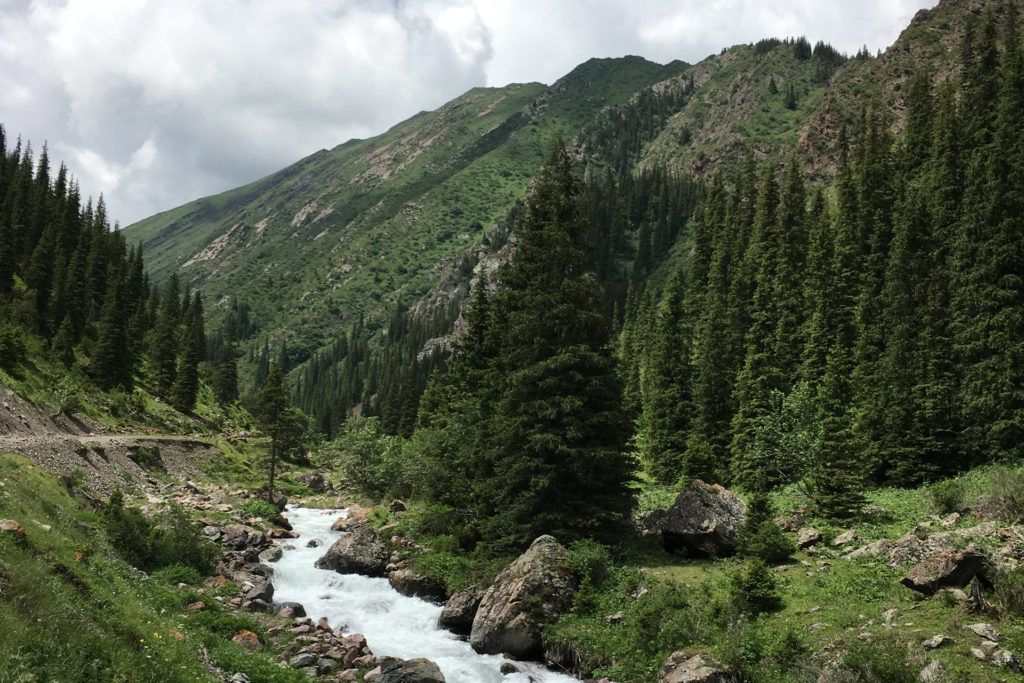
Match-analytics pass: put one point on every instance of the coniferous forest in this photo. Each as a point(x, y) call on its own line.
point(561, 335)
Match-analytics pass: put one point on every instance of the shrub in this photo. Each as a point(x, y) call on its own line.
point(870, 662)
point(946, 496)
point(174, 574)
point(145, 458)
point(258, 507)
point(67, 395)
point(759, 536)
point(755, 591)
point(12, 346)
point(373, 460)
point(1010, 591)
point(590, 560)
point(170, 539)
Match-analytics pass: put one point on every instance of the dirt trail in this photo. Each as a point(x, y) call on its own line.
point(82, 447)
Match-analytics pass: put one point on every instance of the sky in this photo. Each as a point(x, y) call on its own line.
point(154, 103)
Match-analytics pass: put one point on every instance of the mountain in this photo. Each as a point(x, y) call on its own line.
point(348, 236)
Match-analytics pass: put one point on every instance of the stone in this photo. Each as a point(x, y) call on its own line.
point(612, 619)
point(875, 511)
point(195, 606)
point(413, 585)
point(932, 673)
point(950, 520)
point(934, 642)
point(359, 552)
point(1006, 660)
point(262, 591)
point(303, 660)
point(978, 653)
point(535, 590)
point(398, 506)
point(807, 537)
point(313, 543)
point(12, 527)
point(271, 554)
point(986, 631)
point(817, 626)
point(279, 500)
point(989, 646)
point(295, 610)
point(508, 668)
point(249, 640)
point(239, 678)
point(879, 547)
point(316, 483)
point(686, 667)
point(355, 517)
point(459, 611)
point(257, 605)
point(944, 569)
point(650, 522)
point(703, 521)
point(419, 670)
point(237, 536)
point(848, 536)
point(372, 675)
point(791, 523)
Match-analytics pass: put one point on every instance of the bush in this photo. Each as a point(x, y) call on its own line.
point(755, 591)
point(170, 539)
point(145, 458)
point(946, 496)
point(12, 346)
point(260, 508)
point(373, 460)
point(870, 662)
point(175, 573)
point(67, 395)
point(590, 560)
point(759, 536)
point(1010, 591)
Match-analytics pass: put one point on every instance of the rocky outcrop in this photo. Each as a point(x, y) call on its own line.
point(359, 552)
point(355, 517)
point(458, 613)
point(535, 590)
point(947, 568)
point(703, 521)
point(408, 582)
point(807, 537)
point(394, 670)
point(686, 667)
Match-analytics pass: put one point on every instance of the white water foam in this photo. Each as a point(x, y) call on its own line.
point(394, 625)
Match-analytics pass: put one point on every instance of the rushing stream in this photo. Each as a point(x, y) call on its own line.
point(394, 625)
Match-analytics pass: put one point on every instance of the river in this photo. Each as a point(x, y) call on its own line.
point(394, 625)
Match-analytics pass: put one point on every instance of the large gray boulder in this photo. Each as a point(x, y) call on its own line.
point(535, 590)
point(685, 667)
point(408, 582)
point(359, 552)
point(703, 521)
point(944, 569)
point(395, 670)
point(459, 612)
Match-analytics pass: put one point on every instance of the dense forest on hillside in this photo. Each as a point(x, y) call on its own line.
point(70, 280)
point(860, 332)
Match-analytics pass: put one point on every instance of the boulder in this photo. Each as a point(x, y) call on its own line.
point(1006, 660)
point(686, 667)
point(807, 537)
point(932, 673)
point(946, 568)
point(791, 523)
point(458, 613)
point(316, 483)
point(394, 670)
point(279, 500)
point(986, 631)
point(355, 517)
point(261, 591)
point(249, 640)
point(649, 522)
point(301, 661)
point(12, 527)
point(359, 552)
point(237, 536)
point(271, 554)
point(703, 521)
point(848, 536)
point(533, 591)
point(408, 582)
point(291, 610)
point(398, 506)
point(934, 642)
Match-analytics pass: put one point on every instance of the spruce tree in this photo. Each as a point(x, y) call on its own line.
point(279, 420)
point(560, 430)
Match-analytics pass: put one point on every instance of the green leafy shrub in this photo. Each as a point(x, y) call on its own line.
point(171, 538)
point(145, 458)
point(258, 507)
point(590, 560)
point(174, 574)
point(372, 460)
point(67, 395)
point(1010, 591)
point(760, 536)
point(870, 662)
point(755, 590)
point(12, 346)
point(946, 496)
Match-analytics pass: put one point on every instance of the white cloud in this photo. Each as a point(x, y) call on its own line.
point(155, 103)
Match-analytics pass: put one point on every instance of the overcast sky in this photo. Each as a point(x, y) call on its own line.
point(154, 102)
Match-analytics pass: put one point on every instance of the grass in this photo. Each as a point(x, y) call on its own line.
point(71, 610)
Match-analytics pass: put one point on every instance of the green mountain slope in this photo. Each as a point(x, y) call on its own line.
point(351, 231)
